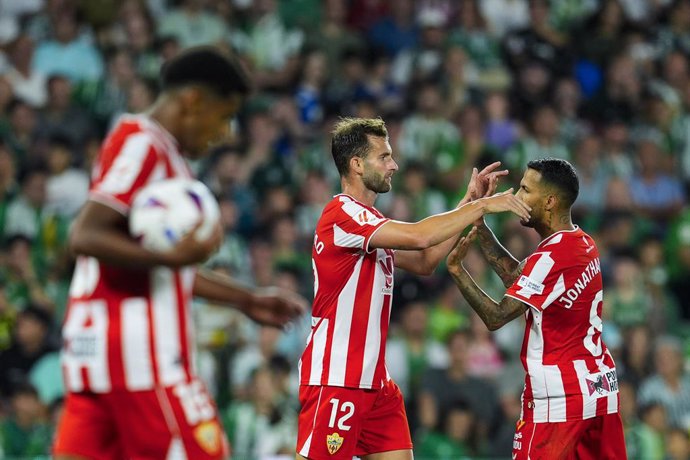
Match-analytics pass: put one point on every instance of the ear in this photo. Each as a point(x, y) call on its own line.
point(357, 164)
point(552, 202)
point(191, 99)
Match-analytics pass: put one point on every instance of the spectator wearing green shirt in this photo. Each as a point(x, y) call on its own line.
point(26, 433)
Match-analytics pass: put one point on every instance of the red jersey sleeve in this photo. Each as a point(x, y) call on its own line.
point(540, 282)
point(355, 224)
point(123, 168)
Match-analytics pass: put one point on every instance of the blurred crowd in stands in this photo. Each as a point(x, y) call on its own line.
point(460, 83)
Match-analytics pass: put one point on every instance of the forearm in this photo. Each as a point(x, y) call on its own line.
point(114, 247)
point(494, 314)
point(502, 262)
point(485, 306)
point(220, 288)
point(441, 227)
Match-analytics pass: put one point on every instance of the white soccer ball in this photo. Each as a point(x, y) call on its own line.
point(165, 211)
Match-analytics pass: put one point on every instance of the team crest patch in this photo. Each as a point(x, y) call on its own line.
point(207, 434)
point(334, 442)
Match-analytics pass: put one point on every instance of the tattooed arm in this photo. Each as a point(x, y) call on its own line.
point(504, 264)
point(494, 314)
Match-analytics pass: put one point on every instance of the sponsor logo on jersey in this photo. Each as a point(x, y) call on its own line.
point(530, 286)
point(334, 442)
point(208, 435)
point(602, 383)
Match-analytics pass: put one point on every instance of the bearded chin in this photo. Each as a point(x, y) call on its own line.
point(377, 184)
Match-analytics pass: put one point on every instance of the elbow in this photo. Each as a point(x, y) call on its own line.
point(426, 270)
point(76, 243)
point(494, 326)
point(420, 241)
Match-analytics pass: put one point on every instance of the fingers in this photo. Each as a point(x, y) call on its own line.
point(520, 208)
point(490, 168)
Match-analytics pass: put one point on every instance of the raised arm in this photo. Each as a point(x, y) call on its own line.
point(494, 314)
point(424, 262)
point(503, 263)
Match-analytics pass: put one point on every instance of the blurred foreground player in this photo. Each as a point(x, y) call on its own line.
point(128, 335)
point(570, 400)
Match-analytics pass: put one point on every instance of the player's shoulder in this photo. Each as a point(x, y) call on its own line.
point(138, 132)
point(566, 240)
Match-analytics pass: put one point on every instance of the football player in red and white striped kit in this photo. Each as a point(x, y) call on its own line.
point(570, 399)
point(350, 405)
point(128, 336)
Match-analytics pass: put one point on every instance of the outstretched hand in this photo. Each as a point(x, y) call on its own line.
point(457, 255)
point(276, 307)
point(483, 183)
point(507, 201)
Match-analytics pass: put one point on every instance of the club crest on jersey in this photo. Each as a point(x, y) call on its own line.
point(602, 384)
point(208, 435)
point(334, 442)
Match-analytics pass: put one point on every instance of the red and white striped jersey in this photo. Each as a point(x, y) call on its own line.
point(129, 329)
point(570, 372)
point(353, 289)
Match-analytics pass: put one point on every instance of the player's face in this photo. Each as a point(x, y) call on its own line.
point(211, 123)
point(532, 193)
point(379, 165)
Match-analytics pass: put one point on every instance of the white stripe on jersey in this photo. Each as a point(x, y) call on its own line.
point(372, 342)
point(343, 325)
point(127, 166)
point(87, 347)
point(136, 349)
point(535, 353)
point(556, 239)
point(166, 328)
point(346, 240)
point(538, 273)
point(187, 277)
point(589, 404)
point(612, 398)
point(558, 289)
point(556, 392)
point(86, 275)
point(318, 350)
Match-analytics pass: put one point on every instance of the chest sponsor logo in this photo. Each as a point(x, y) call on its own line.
point(334, 442)
point(531, 286)
point(602, 384)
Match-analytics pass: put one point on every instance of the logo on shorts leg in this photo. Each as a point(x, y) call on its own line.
point(208, 435)
point(333, 442)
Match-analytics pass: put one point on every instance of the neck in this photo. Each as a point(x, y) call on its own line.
point(558, 222)
point(164, 112)
point(357, 190)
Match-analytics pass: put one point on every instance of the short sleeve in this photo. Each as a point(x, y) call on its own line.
point(540, 283)
point(125, 172)
point(354, 225)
